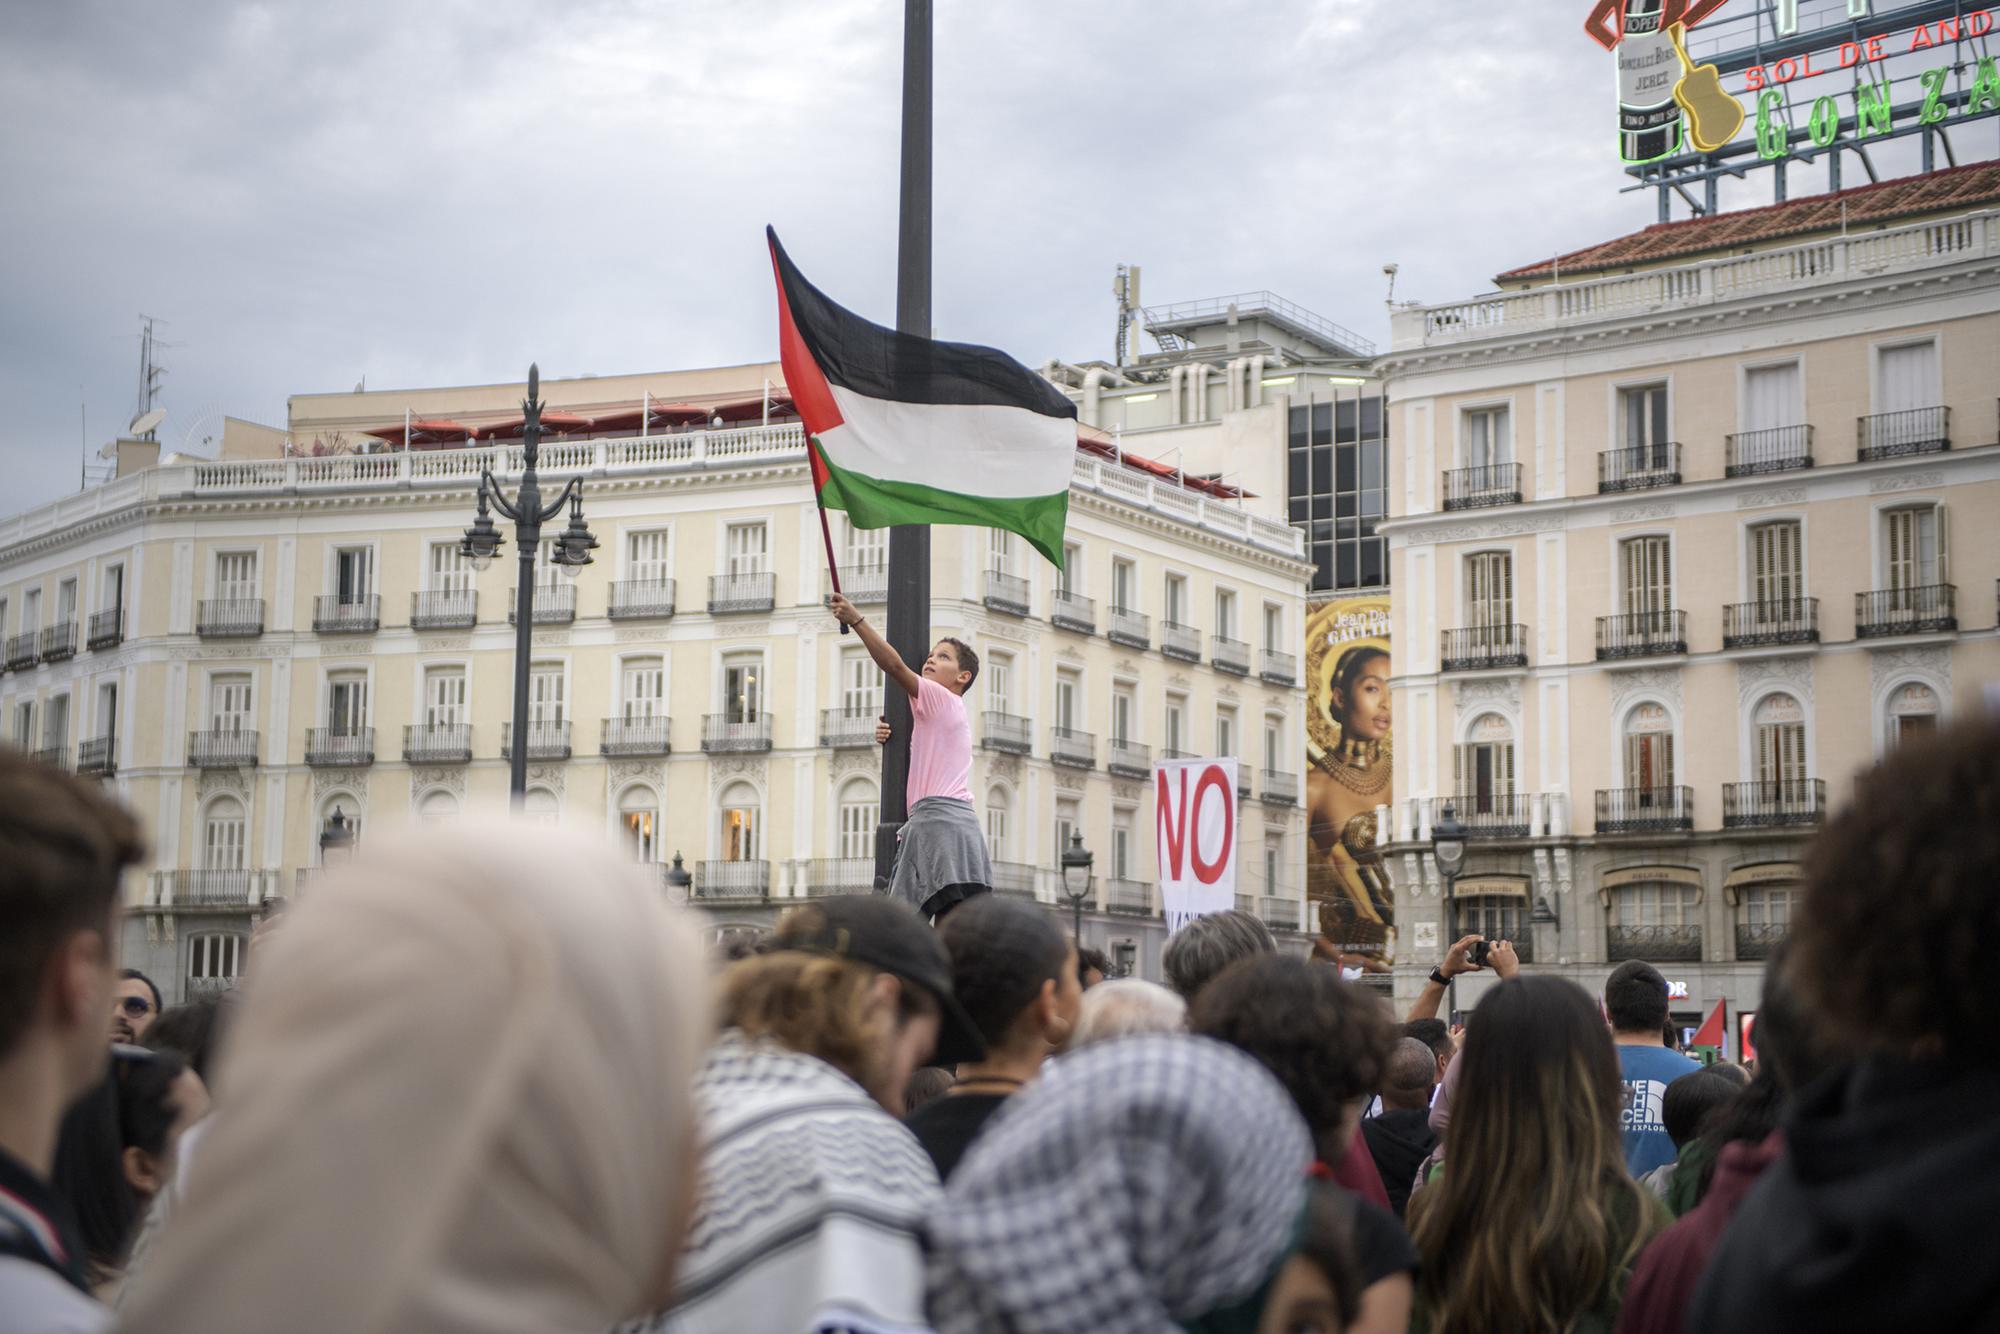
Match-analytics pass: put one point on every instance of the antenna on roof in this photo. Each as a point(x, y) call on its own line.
point(143, 425)
point(1389, 270)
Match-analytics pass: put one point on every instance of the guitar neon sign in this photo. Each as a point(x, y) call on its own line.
point(1663, 96)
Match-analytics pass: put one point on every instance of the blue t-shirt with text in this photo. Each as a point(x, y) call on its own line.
point(1647, 1071)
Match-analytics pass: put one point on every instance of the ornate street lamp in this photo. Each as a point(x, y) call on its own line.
point(571, 552)
point(336, 837)
point(679, 881)
point(1448, 854)
point(1076, 860)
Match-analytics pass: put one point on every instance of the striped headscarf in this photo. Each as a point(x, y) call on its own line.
point(1140, 1186)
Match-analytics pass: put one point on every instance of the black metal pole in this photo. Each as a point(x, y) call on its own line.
point(909, 544)
point(528, 541)
point(1451, 938)
point(1076, 903)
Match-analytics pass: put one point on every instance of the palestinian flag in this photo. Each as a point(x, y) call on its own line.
point(904, 429)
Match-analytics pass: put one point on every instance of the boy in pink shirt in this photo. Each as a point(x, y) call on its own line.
point(941, 853)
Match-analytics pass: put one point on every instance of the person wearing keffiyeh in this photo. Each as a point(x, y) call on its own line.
point(1145, 1185)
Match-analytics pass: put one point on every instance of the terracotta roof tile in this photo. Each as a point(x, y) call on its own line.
point(1954, 188)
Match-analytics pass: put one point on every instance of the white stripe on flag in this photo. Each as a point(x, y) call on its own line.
point(968, 450)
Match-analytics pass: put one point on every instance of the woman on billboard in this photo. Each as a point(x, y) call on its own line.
point(1348, 780)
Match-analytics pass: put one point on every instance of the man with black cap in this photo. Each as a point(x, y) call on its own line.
point(812, 1191)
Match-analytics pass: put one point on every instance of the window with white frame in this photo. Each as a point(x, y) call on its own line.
point(446, 570)
point(1777, 573)
point(1780, 728)
point(1659, 903)
point(646, 556)
point(1124, 714)
point(548, 574)
point(1174, 720)
point(1274, 744)
point(1123, 864)
point(229, 703)
point(548, 690)
point(1069, 579)
point(1646, 567)
point(638, 823)
point(107, 709)
point(743, 687)
point(55, 724)
point(1483, 765)
point(1489, 589)
point(859, 813)
point(997, 812)
point(742, 824)
point(444, 696)
point(346, 702)
point(1913, 546)
point(1649, 748)
point(1274, 628)
point(1771, 398)
point(1068, 686)
point(1225, 613)
point(3, 615)
point(999, 551)
point(642, 690)
point(998, 669)
point(860, 684)
point(1124, 586)
point(222, 836)
point(65, 602)
point(866, 549)
point(748, 549)
point(1642, 422)
point(1767, 909)
point(1487, 437)
point(1906, 377)
point(1225, 731)
point(1913, 713)
point(110, 591)
point(353, 575)
point(235, 575)
point(1272, 874)
point(24, 725)
point(1177, 599)
point(215, 960)
point(31, 611)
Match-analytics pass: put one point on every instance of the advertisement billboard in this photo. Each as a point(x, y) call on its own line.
point(1348, 744)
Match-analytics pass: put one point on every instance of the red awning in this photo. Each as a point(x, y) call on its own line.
point(423, 431)
point(554, 422)
point(751, 409)
point(659, 414)
point(1105, 449)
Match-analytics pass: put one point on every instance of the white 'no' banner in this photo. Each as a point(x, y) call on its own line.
point(1194, 818)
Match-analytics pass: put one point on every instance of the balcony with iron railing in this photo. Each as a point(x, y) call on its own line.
point(546, 741)
point(105, 629)
point(1489, 814)
point(636, 736)
point(554, 604)
point(1481, 486)
point(1756, 940)
point(1641, 634)
point(1480, 648)
point(21, 651)
point(640, 600)
point(444, 609)
point(1639, 467)
point(56, 756)
point(1277, 668)
point(1768, 624)
point(1180, 641)
point(1074, 749)
point(847, 729)
point(1006, 732)
point(222, 749)
point(59, 641)
point(1229, 655)
point(1774, 804)
point(1774, 449)
point(438, 743)
point(1928, 609)
point(863, 585)
point(1892, 435)
point(732, 593)
point(1128, 759)
point(340, 747)
point(1014, 880)
point(97, 755)
point(1128, 898)
point(1130, 628)
point(342, 614)
point(1654, 944)
point(1644, 810)
point(241, 890)
point(1072, 611)
point(1279, 913)
point(229, 618)
point(1243, 788)
point(735, 733)
point(840, 875)
point(737, 880)
point(1006, 592)
point(1281, 787)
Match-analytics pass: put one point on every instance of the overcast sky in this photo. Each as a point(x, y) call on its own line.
point(434, 191)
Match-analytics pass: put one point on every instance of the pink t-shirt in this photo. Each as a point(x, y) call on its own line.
point(940, 745)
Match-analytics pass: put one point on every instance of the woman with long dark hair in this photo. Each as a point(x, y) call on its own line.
point(1533, 1222)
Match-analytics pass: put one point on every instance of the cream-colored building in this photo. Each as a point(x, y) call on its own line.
point(244, 647)
point(1682, 543)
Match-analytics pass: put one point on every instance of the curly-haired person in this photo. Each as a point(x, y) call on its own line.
point(1877, 1215)
point(1328, 1043)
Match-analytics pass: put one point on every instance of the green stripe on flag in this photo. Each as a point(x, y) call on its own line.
point(877, 504)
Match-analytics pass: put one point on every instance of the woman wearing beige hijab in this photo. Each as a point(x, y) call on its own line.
point(457, 1099)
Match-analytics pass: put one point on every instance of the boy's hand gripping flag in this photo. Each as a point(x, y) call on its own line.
point(904, 429)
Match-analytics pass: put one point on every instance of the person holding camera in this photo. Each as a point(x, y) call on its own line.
point(1472, 954)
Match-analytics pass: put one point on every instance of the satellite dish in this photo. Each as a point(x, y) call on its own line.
point(146, 422)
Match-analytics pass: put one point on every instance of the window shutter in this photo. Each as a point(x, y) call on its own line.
point(1507, 769)
point(1941, 517)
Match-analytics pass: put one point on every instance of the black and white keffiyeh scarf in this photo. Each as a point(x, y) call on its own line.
point(1139, 1184)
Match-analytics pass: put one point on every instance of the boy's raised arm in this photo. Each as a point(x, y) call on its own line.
point(890, 661)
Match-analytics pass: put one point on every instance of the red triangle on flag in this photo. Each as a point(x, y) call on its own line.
point(1711, 1030)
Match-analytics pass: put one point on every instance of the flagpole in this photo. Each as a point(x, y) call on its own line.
point(909, 544)
point(814, 470)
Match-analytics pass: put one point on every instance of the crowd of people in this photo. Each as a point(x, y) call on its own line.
point(490, 1081)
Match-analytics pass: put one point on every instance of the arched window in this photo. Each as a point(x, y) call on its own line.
point(215, 959)
point(1913, 713)
point(638, 817)
point(439, 807)
point(997, 821)
point(1484, 766)
point(1649, 748)
point(222, 836)
point(1655, 920)
point(1497, 917)
point(742, 824)
point(1763, 915)
point(858, 814)
point(541, 807)
point(1780, 728)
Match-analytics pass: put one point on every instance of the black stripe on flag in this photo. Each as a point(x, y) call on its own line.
point(867, 359)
